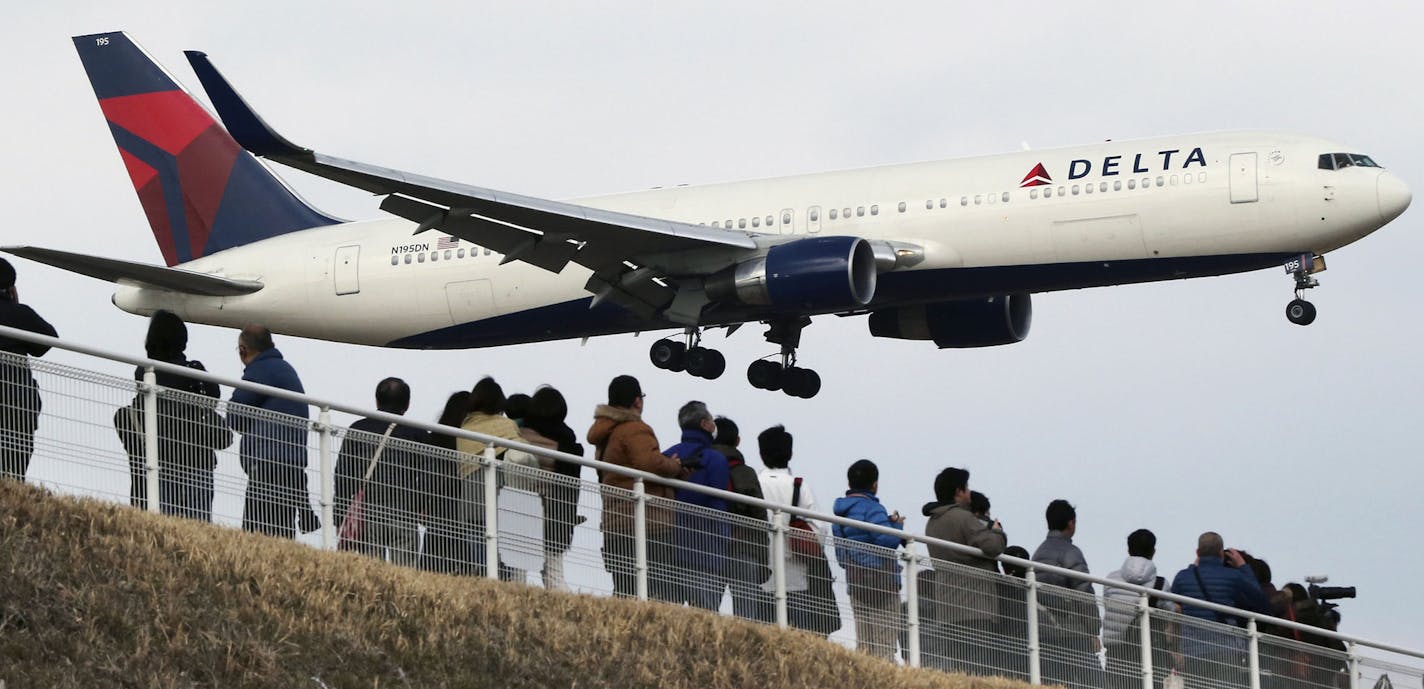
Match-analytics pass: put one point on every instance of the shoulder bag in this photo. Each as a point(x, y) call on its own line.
point(354, 525)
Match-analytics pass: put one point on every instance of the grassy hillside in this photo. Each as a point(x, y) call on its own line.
point(96, 595)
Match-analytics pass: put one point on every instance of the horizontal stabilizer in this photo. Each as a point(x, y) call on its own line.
point(129, 272)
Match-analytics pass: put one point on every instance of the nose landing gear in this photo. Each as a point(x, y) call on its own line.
point(785, 375)
point(689, 356)
point(1299, 311)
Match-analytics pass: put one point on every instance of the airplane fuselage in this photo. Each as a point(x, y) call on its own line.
point(1104, 214)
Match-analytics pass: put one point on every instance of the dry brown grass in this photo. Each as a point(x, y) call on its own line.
point(94, 595)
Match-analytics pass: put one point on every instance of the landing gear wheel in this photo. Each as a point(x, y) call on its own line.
point(713, 364)
point(1300, 312)
point(668, 354)
point(765, 375)
point(693, 360)
point(801, 382)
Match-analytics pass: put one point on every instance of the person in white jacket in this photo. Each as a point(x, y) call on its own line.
point(810, 602)
point(1121, 631)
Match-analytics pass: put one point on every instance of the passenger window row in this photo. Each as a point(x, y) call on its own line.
point(988, 199)
point(1048, 190)
point(437, 256)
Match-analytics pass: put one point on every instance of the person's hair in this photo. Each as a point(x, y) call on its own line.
point(862, 475)
point(1258, 568)
point(167, 336)
point(7, 275)
point(727, 432)
point(978, 503)
point(623, 391)
point(256, 338)
point(516, 406)
point(548, 404)
point(774, 444)
point(393, 396)
point(456, 408)
point(1296, 591)
point(1020, 552)
point(1142, 543)
point(948, 482)
point(1058, 514)
point(690, 416)
point(487, 397)
point(1210, 545)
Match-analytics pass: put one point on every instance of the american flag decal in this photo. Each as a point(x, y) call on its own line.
point(446, 243)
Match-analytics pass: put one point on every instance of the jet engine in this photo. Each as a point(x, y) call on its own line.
point(813, 275)
point(986, 322)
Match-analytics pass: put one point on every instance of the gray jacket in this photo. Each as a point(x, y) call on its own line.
point(968, 596)
point(1072, 614)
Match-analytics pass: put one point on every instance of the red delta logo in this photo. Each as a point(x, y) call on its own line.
point(1036, 177)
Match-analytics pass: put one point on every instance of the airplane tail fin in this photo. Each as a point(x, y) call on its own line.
point(201, 192)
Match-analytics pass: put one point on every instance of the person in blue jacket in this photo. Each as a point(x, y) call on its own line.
point(1215, 656)
point(872, 573)
point(273, 450)
point(702, 535)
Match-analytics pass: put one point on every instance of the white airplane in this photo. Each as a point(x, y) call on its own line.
point(943, 251)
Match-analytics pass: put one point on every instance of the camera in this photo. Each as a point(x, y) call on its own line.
point(1329, 612)
point(1324, 593)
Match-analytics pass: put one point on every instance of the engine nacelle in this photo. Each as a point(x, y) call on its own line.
point(814, 275)
point(997, 320)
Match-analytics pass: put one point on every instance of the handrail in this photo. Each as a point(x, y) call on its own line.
point(387, 417)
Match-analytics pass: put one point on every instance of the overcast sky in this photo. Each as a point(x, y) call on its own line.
point(1179, 407)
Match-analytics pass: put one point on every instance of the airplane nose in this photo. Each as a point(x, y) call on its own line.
point(1394, 196)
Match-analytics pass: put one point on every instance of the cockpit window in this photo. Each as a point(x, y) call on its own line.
point(1340, 161)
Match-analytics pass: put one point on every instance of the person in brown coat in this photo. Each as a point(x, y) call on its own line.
point(970, 599)
point(621, 437)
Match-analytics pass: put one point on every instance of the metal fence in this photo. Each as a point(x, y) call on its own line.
point(519, 512)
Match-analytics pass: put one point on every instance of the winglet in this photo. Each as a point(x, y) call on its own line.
point(242, 122)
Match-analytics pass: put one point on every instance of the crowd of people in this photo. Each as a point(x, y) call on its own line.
point(420, 499)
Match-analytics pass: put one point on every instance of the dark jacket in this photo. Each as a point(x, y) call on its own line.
point(749, 542)
point(1070, 615)
point(562, 495)
point(863, 506)
point(19, 397)
point(401, 480)
point(263, 437)
point(190, 431)
point(702, 535)
point(1233, 586)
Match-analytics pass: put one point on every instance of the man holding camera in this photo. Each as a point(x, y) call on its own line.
point(1220, 576)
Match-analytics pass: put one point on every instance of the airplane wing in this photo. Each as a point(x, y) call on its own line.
point(621, 249)
point(115, 270)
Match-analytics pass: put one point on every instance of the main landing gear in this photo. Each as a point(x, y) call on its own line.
point(689, 356)
point(785, 375)
point(1299, 311)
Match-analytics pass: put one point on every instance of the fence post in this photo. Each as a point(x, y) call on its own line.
point(1253, 645)
point(1035, 674)
point(150, 437)
point(327, 465)
point(640, 538)
point(1144, 609)
point(1352, 662)
point(912, 605)
point(778, 566)
point(490, 466)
